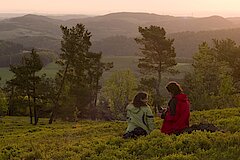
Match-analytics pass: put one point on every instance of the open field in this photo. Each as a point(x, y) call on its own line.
point(99, 140)
point(5, 75)
point(119, 62)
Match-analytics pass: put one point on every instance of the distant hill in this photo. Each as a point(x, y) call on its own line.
point(39, 42)
point(185, 43)
point(114, 33)
point(234, 20)
point(30, 25)
point(115, 45)
point(123, 23)
point(126, 23)
point(68, 16)
point(32, 31)
point(10, 15)
point(9, 48)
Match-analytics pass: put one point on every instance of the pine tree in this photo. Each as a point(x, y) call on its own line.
point(25, 80)
point(227, 51)
point(158, 56)
point(81, 70)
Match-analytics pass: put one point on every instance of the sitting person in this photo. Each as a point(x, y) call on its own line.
point(176, 116)
point(139, 117)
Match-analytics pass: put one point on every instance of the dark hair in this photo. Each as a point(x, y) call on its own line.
point(137, 101)
point(174, 88)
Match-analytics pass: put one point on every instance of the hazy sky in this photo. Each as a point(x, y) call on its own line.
point(196, 8)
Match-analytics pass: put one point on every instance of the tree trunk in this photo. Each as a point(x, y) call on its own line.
point(51, 116)
point(30, 109)
point(158, 95)
point(96, 93)
point(34, 102)
point(35, 111)
point(56, 103)
point(11, 101)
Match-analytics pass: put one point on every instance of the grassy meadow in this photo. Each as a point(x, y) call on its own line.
point(101, 140)
point(119, 62)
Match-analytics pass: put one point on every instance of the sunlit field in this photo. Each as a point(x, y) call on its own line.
point(100, 140)
point(119, 62)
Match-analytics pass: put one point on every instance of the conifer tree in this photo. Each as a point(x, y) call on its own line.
point(81, 70)
point(157, 56)
point(25, 80)
point(228, 51)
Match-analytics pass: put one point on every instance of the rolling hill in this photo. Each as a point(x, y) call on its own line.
point(123, 23)
point(114, 33)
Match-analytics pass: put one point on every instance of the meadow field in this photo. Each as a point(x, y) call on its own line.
point(119, 62)
point(101, 140)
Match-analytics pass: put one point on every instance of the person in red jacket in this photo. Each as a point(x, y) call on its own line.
point(176, 116)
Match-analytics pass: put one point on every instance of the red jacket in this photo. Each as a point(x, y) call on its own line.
point(177, 115)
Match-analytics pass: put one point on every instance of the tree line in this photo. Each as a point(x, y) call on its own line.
point(215, 81)
point(77, 91)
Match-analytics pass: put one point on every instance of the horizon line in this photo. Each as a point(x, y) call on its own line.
point(102, 14)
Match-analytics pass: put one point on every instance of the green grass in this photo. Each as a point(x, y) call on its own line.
point(5, 75)
point(99, 140)
point(50, 70)
point(119, 62)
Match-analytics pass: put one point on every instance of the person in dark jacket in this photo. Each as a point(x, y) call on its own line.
point(176, 116)
point(139, 117)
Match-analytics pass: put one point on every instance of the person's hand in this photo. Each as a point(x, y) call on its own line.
point(159, 114)
point(161, 111)
point(164, 109)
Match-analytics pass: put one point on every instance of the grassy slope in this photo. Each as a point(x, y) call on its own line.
point(5, 74)
point(119, 62)
point(102, 140)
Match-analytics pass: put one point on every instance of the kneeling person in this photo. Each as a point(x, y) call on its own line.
point(176, 117)
point(139, 117)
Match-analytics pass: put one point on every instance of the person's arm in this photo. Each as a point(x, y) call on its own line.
point(170, 115)
point(163, 114)
point(150, 119)
point(172, 106)
point(128, 115)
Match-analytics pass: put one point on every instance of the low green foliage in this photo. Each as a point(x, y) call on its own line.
point(99, 140)
point(214, 81)
point(3, 103)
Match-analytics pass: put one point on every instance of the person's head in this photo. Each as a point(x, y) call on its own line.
point(140, 99)
point(174, 88)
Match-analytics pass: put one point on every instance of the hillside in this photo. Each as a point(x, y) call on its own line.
point(9, 48)
point(126, 23)
point(123, 23)
point(67, 16)
point(99, 140)
point(35, 24)
point(185, 43)
point(114, 33)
